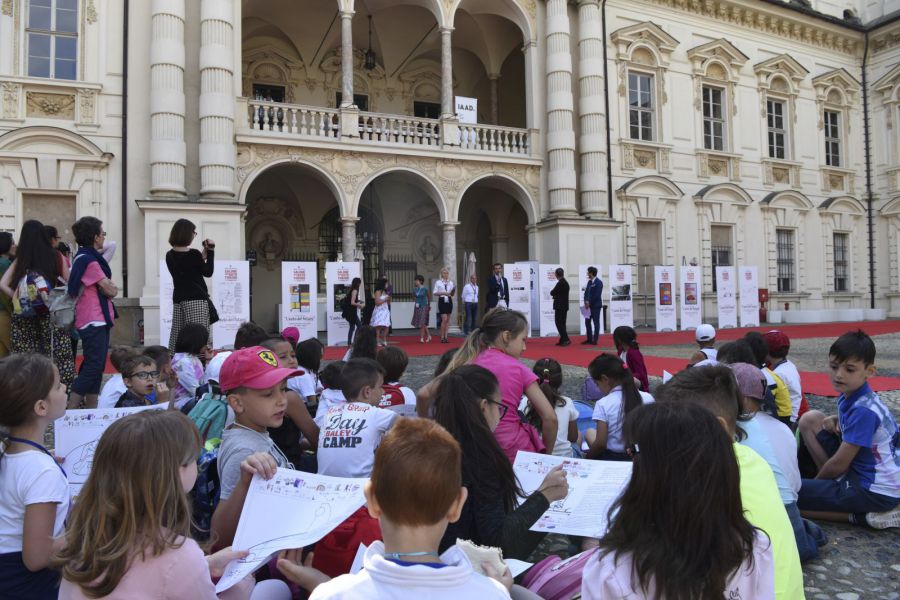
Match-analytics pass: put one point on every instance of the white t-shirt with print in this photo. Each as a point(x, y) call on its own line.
point(328, 399)
point(26, 478)
point(349, 435)
point(791, 378)
point(565, 414)
point(609, 410)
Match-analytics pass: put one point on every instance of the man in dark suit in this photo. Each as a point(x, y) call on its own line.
point(560, 295)
point(498, 288)
point(593, 301)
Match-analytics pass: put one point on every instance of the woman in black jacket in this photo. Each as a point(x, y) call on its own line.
point(467, 404)
point(188, 267)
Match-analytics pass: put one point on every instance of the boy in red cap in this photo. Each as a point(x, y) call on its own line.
point(779, 346)
point(254, 382)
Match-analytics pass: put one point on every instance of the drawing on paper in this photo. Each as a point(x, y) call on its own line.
point(81, 458)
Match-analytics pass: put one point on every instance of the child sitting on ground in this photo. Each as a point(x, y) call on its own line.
point(780, 395)
point(309, 358)
point(857, 452)
point(706, 340)
point(715, 389)
point(551, 378)
point(141, 377)
point(331, 395)
point(254, 381)
point(775, 443)
point(415, 491)
point(191, 343)
point(34, 490)
point(114, 387)
point(779, 346)
point(625, 339)
point(621, 396)
point(394, 362)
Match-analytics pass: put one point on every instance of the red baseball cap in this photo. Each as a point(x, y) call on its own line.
point(256, 368)
point(777, 340)
point(290, 334)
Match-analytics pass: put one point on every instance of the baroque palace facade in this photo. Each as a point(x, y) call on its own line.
point(710, 132)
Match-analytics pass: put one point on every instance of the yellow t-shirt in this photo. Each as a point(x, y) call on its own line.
point(782, 395)
point(763, 508)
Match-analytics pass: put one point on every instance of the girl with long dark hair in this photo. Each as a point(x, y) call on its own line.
point(625, 339)
point(350, 308)
point(678, 531)
point(35, 333)
point(621, 396)
point(468, 405)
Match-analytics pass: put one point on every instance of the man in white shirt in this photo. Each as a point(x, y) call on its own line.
point(470, 302)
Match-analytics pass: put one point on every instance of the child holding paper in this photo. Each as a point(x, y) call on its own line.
point(254, 382)
point(34, 490)
point(129, 532)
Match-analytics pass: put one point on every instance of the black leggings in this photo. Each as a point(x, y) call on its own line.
point(354, 323)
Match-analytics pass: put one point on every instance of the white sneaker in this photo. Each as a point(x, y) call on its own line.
point(883, 520)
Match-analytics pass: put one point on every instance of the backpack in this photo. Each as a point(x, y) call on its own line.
point(345, 303)
point(32, 296)
point(393, 396)
point(557, 579)
point(209, 415)
point(62, 308)
point(205, 495)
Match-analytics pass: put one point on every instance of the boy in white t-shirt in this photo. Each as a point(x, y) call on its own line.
point(351, 432)
point(415, 491)
point(331, 395)
point(394, 361)
point(115, 386)
point(779, 346)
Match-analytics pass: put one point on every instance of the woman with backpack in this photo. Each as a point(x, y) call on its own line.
point(28, 281)
point(188, 266)
point(91, 284)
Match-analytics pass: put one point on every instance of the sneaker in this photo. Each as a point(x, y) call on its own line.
point(883, 520)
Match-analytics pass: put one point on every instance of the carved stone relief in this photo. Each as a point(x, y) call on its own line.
point(50, 106)
point(7, 8)
point(11, 93)
point(87, 106)
point(90, 12)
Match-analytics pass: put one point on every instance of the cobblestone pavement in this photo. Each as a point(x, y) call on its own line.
point(857, 563)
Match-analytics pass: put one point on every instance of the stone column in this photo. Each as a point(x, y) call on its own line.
point(168, 154)
point(447, 111)
point(494, 79)
point(348, 238)
point(346, 57)
point(592, 126)
point(500, 248)
point(560, 131)
point(217, 148)
point(449, 229)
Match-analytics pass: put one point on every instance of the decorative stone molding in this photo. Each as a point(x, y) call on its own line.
point(884, 42)
point(888, 86)
point(781, 172)
point(891, 213)
point(643, 155)
point(90, 12)
point(718, 61)
point(12, 93)
point(87, 107)
point(650, 198)
point(6, 8)
point(893, 176)
point(712, 164)
point(648, 36)
point(835, 179)
point(836, 90)
point(780, 76)
point(786, 209)
point(270, 66)
point(720, 204)
point(49, 106)
point(844, 214)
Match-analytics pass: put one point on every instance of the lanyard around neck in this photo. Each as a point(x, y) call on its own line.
point(41, 448)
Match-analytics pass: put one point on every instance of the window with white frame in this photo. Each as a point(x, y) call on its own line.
point(641, 106)
point(776, 115)
point(713, 118)
point(52, 34)
point(721, 248)
point(841, 260)
point(785, 259)
point(833, 154)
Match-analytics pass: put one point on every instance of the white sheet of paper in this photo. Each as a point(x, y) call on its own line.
point(666, 376)
point(77, 433)
point(404, 410)
point(357, 565)
point(593, 486)
point(585, 312)
point(291, 510)
point(516, 566)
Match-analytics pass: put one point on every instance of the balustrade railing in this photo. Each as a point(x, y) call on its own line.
point(492, 138)
point(293, 118)
point(397, 129)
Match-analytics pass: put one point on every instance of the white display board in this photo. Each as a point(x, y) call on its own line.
point(535, 293)
point(666, 309)
point(299, 297)
point(691, 298)
point(519, 278)
point(231, 296)
point(166, 287)
point(621, 292)
point(748, 286)
point(546, 281)
point(582, 285)
point(467, 110)
point(338, 276)
point(726, 296)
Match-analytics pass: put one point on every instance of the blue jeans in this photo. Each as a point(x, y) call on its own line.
point(809, 536)
point(471, 321)
point(593, 334)
point(95, 343)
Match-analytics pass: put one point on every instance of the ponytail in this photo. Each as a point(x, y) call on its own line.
point(550, 373)
point(615, 369)
point(472, 347)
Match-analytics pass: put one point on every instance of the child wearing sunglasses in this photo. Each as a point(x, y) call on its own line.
point(141, 379)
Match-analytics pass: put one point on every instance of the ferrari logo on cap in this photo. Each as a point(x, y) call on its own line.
point(269, 358)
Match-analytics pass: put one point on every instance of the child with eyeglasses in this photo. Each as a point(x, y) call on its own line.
point(141, 378)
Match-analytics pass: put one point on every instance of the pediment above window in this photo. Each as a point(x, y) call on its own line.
point(837, 87)
point(782, 71)
point(718, 59)
point(634, 42)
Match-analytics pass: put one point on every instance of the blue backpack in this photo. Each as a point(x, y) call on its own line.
point(205, 494)
point(209, 415)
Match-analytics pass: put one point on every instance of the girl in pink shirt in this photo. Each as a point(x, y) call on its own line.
point(500, 342)
point(129, 533)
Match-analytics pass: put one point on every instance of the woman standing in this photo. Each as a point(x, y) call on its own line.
point(350, 305)
point(35, 332)
point(444, 289)
point(422, 310)
point(188, 267)
point(7, 254)
point(381, 317)
point(90, 281)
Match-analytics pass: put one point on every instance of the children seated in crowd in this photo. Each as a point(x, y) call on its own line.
point(550, 375)
point(191, 343)
point(779, 346)
point(332, 394)
point(394, 362)
point(143, 387)
point(114, 387)
point(706, 341)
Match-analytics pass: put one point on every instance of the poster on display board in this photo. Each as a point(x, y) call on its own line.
point(666, 311)
point(749, 288)
point(338, 276)
point(231, 296)
point(546, 282)
point(691, 298)
point(726, 297)
point(166, 288)
point(519, 277)
point(299, 297)
point(582, 285)
point(621, 292)
point(535, 315)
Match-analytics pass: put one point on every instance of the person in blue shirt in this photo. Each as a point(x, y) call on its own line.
point(857, 451)
point(593, 301)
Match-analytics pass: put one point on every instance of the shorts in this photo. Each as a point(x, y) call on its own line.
point(845, 495)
